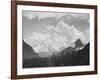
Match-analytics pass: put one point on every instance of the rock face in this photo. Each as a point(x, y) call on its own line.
point(67, 57)
point(72, 57)
point(78, 43)
point(30, 58)
point(28, 52)
point(84, 55)
point(80, 57)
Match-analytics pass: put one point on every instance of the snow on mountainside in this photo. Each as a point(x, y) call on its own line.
point(70, 32)
point(58, 37)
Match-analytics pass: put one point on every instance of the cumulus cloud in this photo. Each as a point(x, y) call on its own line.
point(40, 36)
point(86, 36)
point(34, 38)
point(80, 16)
point(42, 15)
point(50, 27)
point(29, 14)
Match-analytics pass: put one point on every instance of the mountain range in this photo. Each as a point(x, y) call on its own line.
point(28, 52)
point(67, 57)
point(72, 57)
point(62, 36)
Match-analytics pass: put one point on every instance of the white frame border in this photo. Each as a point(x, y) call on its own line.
point(21, 71)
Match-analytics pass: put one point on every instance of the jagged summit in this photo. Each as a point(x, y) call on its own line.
point(57, 38)
point(78, 44)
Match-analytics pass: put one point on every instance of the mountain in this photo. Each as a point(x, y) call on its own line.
point(28, 52)
point(57, 38)
point(67, 57)
point(68, 31)
point(84, 55)
point(71, 57)
point(43, 49)
point(78, 44)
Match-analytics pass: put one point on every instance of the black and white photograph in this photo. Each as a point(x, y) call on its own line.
point(55, 39)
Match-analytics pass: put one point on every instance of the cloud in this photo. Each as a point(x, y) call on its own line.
point(59, 15)
point(50, 27)
point(86, 36)
point(37, 36)
point(34, 38)
point(80, 15)
point(45, 15)
point(42, 15)
point(29, 14)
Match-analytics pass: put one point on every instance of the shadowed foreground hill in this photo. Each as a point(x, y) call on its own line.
point(32, 59)
point(28, 52)
point(29, 56)
point(67, 57)
point(72, 57)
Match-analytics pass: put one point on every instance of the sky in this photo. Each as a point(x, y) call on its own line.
point(54, 29)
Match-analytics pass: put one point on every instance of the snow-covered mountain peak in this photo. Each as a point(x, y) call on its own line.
point(56, 39)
